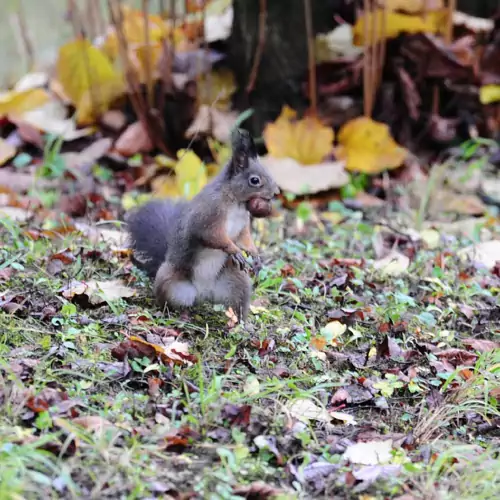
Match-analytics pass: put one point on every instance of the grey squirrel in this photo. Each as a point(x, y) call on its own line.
point(192, 249)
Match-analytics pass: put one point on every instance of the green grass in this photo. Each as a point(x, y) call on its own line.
point(193, 433)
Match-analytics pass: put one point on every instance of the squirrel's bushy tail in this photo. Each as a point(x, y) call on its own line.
point(149, 227)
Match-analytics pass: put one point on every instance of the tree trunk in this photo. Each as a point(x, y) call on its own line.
point(283, 66)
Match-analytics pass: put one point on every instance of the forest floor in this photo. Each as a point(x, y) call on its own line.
point(355, 378)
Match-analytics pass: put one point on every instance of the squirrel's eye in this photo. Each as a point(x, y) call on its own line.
point(254, 180)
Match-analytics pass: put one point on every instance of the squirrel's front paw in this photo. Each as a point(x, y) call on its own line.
point(239, 260)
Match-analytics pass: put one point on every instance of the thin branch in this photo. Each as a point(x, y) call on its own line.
point(147, 54)
point(311, 57)
point(260, 45)
point(25, 36)
point(374, 58)
point(366, 60)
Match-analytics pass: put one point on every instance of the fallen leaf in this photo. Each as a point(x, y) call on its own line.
point(306, 409)
point(392, 24)
point(394, 264)
point(215, 87)
point(447, 200)
point(367, 147)
point(482, 345)
point(307, 141)
point(489, 93)
point(457, 357)
point(484, 254)
point(212, 122)
point(133, 140)
point(98, 292)
point(7, 151)
point(371, 473)
point(411, 6)
point(369, 453)
point(190, 174)
point(258, 490)
point(51, 118)
point(88, 79)
point(133, 29)
point(294, 178)
point(22, 101)
point(93, 423)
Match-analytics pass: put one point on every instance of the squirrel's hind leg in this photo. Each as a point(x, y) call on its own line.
point(172, 289)
point(233, 288)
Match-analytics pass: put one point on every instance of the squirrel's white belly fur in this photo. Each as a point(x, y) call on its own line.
point(210, 261)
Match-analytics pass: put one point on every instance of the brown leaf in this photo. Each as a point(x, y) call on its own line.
point(237, 415)
point(154, 385)
point(482, 345)
point(457, 357)
point(134, 139)
point(257, 491)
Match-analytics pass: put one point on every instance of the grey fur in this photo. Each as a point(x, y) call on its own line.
point(179, 244)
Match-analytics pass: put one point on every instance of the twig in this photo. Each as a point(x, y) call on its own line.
point(366, 60)
point(24, 36)
point(374, 58)
point(311, 57)
point(452, 5)
point(147, 54)
point(260, 45)
point(382, 45)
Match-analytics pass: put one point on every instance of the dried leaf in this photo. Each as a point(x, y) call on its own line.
point(367, 147)
point(98, 292)
point(7, 151)
point(307, 141)
point(294, 178)
point(20, 102)
point(485, 254)
point(369, 453)
point(134, 139)
point(88, 79)
point(393, 264)
point(51, 118)
point(482, 345)
point(489, 93)
point(306, 409)
point(395, 24)
point(411, 6)
point(212, 122)
point(190, 174)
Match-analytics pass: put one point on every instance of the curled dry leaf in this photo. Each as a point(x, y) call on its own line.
point(294, 178)
point(367, 147)
point(307, 141)
point(88, 79)
point(213, 122)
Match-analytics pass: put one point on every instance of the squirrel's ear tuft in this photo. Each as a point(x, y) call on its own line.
point(243, 148)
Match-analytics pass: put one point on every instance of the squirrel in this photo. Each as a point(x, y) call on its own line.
point(193, 249)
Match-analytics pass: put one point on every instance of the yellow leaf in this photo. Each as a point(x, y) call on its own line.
point(140, 55)
point(216, 88)
point(165, 186)
point(395, 24)
point(412, 6)
point(367, 147)
point(20, 102)
point(190, 174)
point(7, 151)
point(307, 140)
point(134, 31)
point(88, 78)
point(489, 93)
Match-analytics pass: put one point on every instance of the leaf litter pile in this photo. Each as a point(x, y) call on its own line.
point(370, 366)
